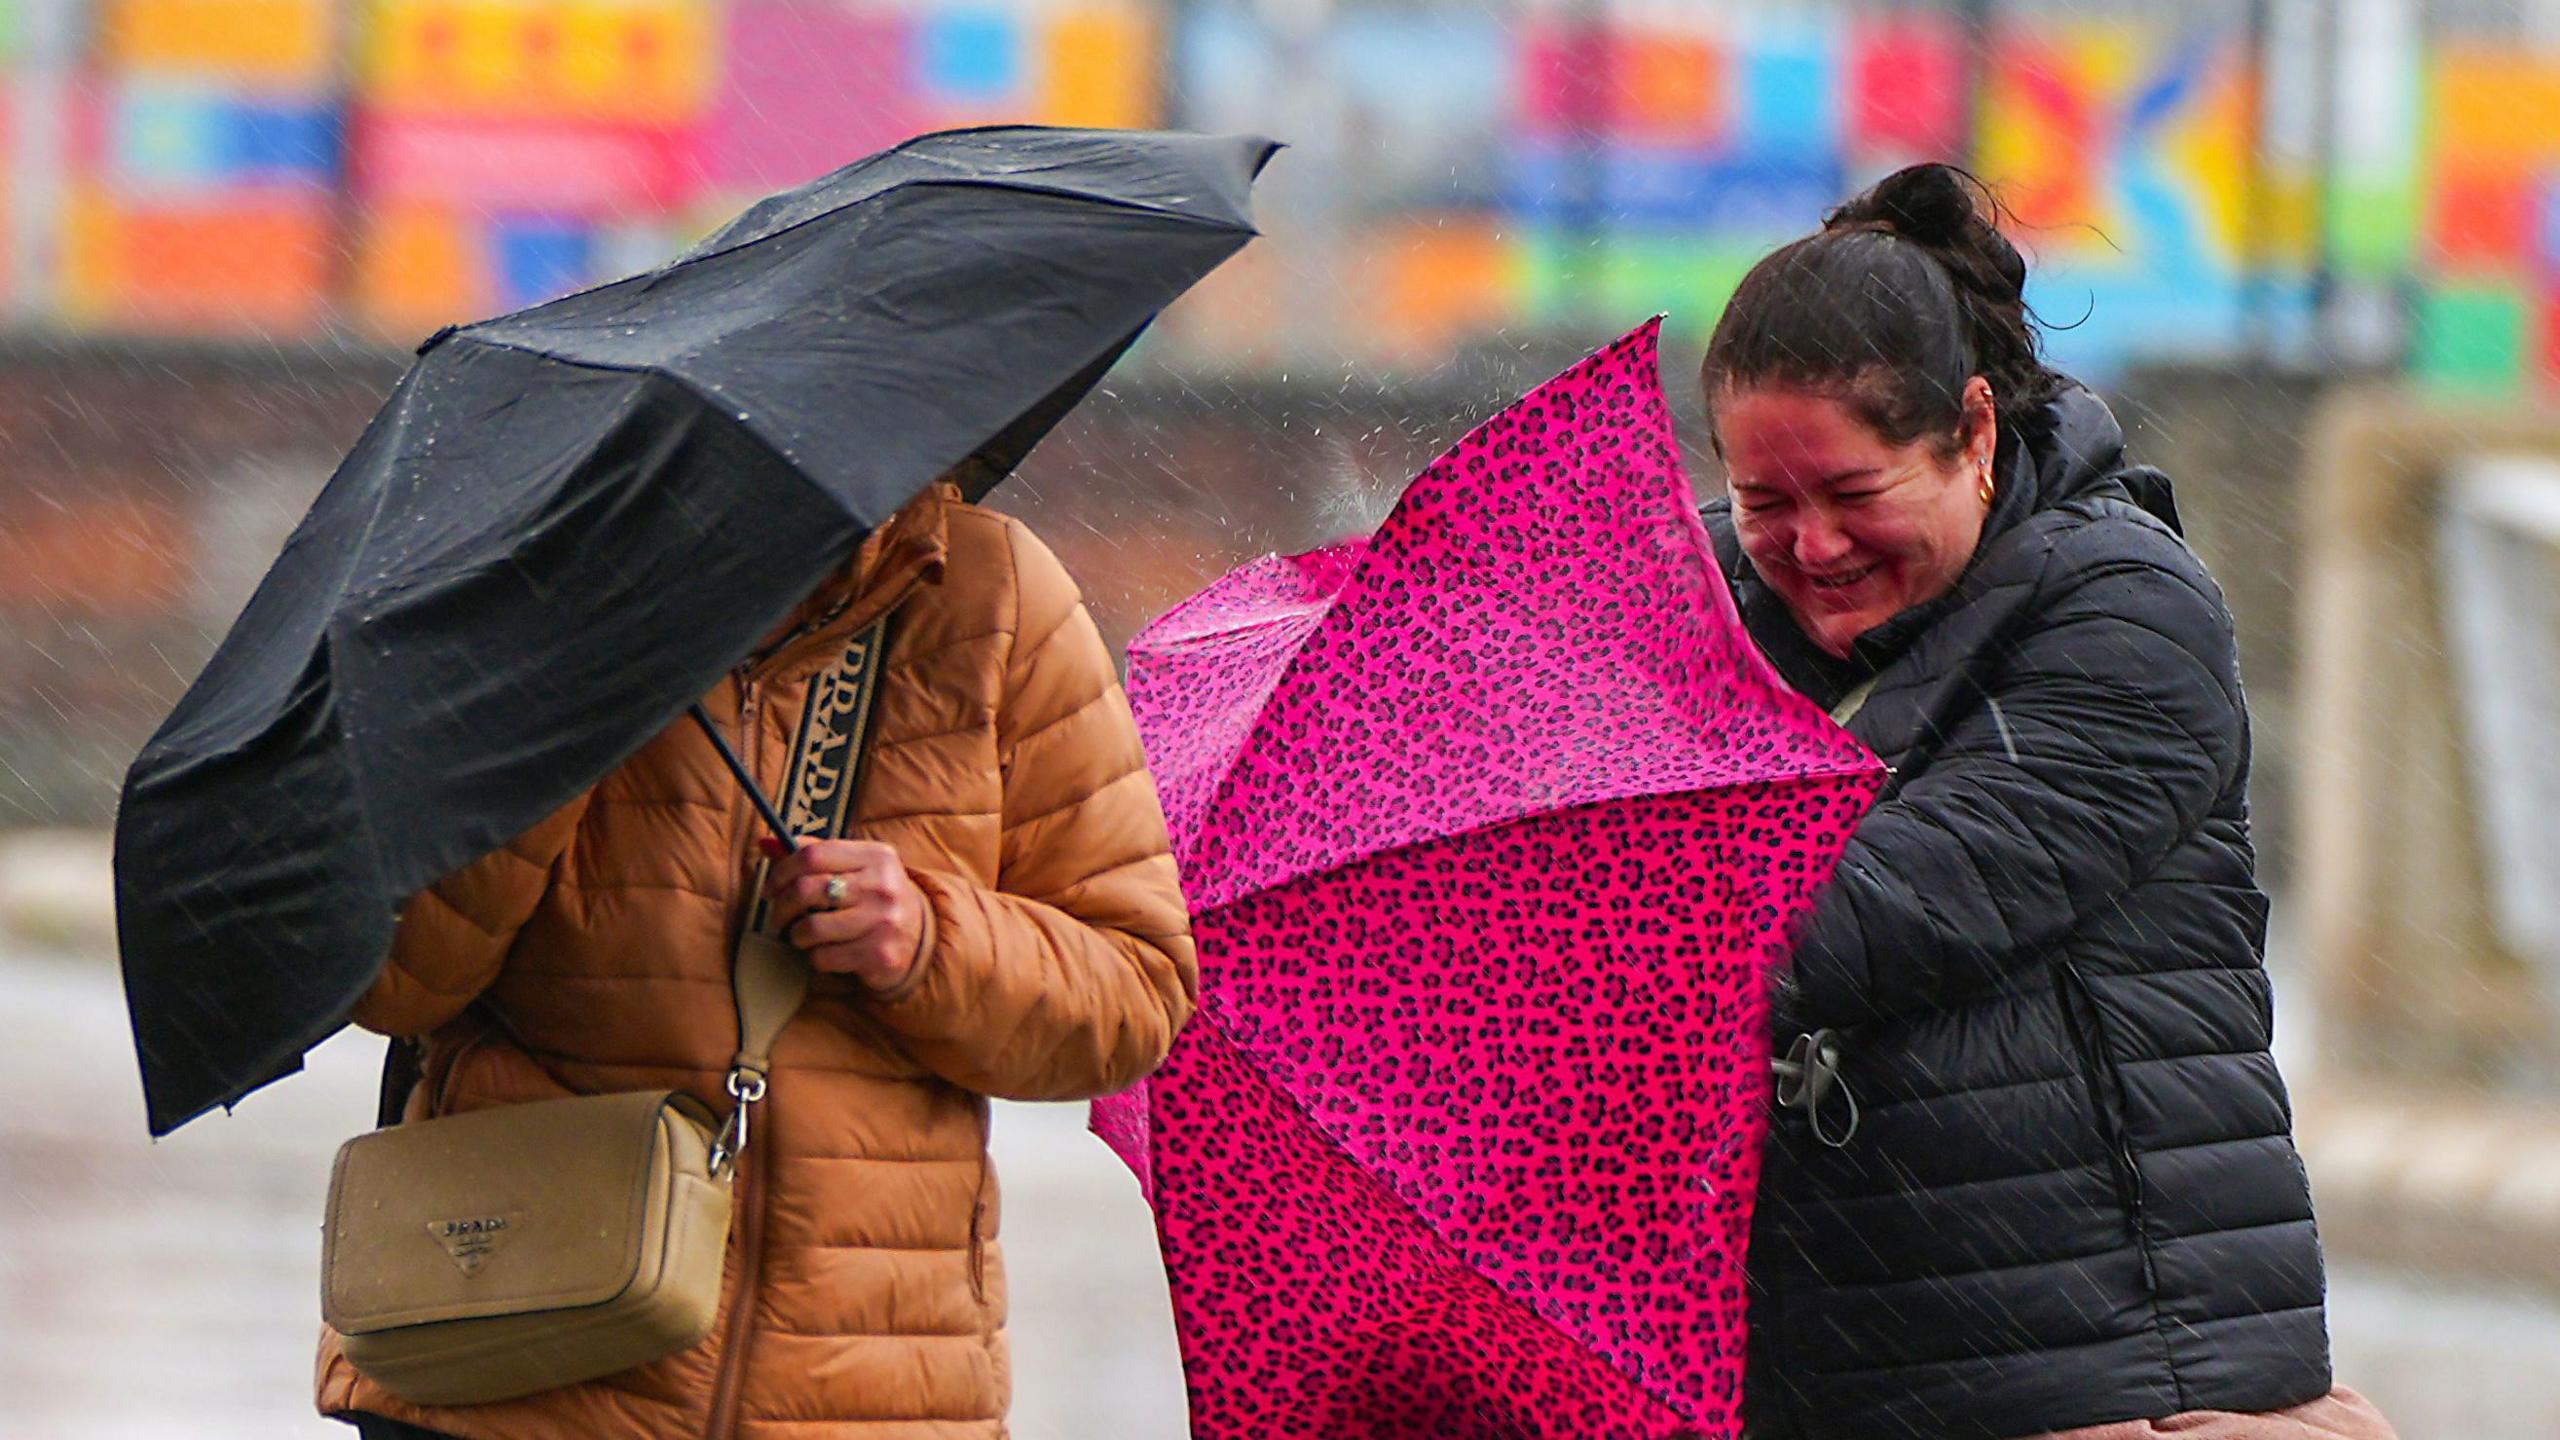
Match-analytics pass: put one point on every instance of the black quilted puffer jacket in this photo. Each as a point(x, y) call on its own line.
point(2071, 1194)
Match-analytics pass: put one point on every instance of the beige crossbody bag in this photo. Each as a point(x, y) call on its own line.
point(489, 1255)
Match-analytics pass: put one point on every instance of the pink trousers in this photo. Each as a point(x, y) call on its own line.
point(2342, 1414)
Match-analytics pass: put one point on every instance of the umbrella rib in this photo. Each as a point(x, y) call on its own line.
point(1114, 202)
point(687, 261)
point(1807, 777)
point(1325, 1136)
point(653, 372)
point(677, 379)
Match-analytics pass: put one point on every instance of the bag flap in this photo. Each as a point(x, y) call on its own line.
point(495, 1212)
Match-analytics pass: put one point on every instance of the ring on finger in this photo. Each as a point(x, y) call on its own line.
point(837, 890)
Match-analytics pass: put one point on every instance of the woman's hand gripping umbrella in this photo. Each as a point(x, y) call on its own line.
point(1492, 826)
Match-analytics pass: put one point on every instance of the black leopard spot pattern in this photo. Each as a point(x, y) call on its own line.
point(1492, 827)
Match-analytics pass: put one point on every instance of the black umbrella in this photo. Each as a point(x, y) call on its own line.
point(567, 523)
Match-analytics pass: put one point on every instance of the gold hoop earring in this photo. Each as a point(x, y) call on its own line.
point(1986, 489)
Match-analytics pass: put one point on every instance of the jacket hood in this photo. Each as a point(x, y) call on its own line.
point(2070, 449)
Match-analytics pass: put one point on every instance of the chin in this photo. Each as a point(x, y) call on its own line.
point(1836, 633)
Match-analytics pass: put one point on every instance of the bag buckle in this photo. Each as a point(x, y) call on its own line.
point(747, 1088)
point(1808, 1076)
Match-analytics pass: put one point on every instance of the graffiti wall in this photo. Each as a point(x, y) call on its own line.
point(279, 167)
point(299, 167)
point(197, 181)
point(1562, 167)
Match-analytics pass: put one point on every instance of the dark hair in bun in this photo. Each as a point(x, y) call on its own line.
point(1906, 292)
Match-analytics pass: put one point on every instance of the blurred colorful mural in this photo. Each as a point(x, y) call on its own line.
point(277, 167)
point(1622, 165)
point(1547, 160)
point(288, 168)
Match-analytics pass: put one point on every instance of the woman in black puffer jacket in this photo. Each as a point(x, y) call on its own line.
point(2033, 1169)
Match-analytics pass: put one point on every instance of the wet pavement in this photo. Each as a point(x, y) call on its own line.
point(166, 1291)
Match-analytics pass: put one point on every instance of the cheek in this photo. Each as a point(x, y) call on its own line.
point(1888, 535)
point(1908, 532)
point(1932, 550)
point(1762, 538)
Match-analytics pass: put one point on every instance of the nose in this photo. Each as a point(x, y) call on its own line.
point(1820, 543)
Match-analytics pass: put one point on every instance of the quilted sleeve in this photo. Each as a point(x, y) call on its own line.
point(454, 935)
point(1071, 976)
point(2103, 737)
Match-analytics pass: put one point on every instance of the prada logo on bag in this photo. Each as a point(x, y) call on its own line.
point(472, 1240)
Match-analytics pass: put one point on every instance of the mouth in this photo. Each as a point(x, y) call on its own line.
point(1844, 580)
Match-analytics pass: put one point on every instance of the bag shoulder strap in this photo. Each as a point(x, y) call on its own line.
point(768, 977)
point(769, 980)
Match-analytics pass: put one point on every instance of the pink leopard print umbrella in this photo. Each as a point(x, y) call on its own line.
point(1490, 826)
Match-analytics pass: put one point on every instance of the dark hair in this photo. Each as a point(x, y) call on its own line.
point(1906, 292)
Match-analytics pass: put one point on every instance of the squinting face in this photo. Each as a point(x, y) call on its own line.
point(1848, 528)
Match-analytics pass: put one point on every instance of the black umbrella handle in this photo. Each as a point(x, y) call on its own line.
point(772, 818)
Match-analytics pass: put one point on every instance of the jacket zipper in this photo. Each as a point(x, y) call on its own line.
point(978, 1206)
point(2106, 1092)
point(747, 1206)
point(747, 1202)
point(730, 1390)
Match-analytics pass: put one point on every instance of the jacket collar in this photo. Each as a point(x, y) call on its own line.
point(910, 550)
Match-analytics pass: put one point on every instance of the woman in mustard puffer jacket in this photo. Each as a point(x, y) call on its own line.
point(1012, 927)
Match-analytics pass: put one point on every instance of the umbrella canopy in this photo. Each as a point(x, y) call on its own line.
point(1491, 825)
point(567, 523)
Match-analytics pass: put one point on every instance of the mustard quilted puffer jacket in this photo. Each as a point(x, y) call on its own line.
point(865, 1294)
